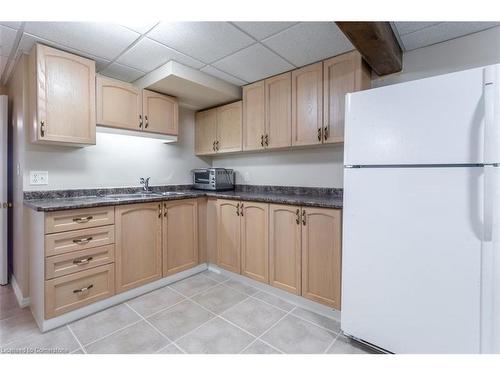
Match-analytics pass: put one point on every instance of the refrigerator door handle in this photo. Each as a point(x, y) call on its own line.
point(490, 187)
point(491, 115)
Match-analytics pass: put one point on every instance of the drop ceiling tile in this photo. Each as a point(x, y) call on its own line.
point(140, 26)
point(3, 64)
point(206, 41)
point(410, 27)
point(261, 30)
point(122, 72)
point(13, 25)
point(105, 40)
point(224, 76)
point(253, 63)
point(442, 32)
point(28, 40)
point(148, 55)
point(309, 42)
point(7, 38)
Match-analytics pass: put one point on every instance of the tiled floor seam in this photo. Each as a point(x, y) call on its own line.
point(112, 333)
point(267, 330)
point(315, 324)
point(152, 326)
point(76, 338)
point(332, 343)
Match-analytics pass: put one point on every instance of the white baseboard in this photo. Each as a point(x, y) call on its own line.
point(61, 320)
point(21, 300)
point(292, 298)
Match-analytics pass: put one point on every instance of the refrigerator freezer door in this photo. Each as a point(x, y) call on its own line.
point(411, 276)
point(438, 120)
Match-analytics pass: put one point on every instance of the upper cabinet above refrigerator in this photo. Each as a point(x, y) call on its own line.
point(61, 97)
point(438, 120)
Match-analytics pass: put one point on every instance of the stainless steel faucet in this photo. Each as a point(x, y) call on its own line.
point(145, 182)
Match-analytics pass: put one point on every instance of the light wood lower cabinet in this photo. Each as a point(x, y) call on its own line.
point(138, 244)
point(180, 235)
point(285, 233)
point(321, 255)
point(255, 240)
point(228, 235)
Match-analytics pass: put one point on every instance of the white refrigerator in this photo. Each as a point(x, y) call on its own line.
point(3, 190)
point(421, 225)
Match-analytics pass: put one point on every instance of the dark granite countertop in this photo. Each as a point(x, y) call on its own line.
point(73, 199)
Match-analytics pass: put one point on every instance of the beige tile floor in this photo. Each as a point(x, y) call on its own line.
point(205, 313)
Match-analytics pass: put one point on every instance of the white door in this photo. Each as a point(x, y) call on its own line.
point(3, 189)
point(438, 120)
point(412, 258)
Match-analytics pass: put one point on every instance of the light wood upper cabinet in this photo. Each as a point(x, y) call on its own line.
point(119, 104)
point(341, 75)
point(254, 125)
point(228, 235)
point(160, 113)
point(285, 233)
point(206, 132)
point(278, 111)
point(229, 123)
point(61, 97)
point(180, 235)
point(255, 240)
point(307, 105)
point(138, 249)
point(321, 255)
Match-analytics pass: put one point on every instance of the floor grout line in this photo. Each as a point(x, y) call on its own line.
point(112, 333)
point(151, 325)
point(76, 338)
point(332, 343)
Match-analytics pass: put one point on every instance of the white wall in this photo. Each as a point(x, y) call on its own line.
point(313, 167)
point(117, 161)
point(471, 51)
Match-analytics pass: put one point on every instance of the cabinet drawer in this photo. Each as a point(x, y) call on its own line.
point(76, 261)
point(70, 292)
point(62, 221)
point(60, 243)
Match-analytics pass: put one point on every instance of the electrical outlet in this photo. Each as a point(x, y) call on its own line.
point(39, 177)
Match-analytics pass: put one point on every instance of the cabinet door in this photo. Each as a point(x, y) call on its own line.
point(229, 124)
point(307, 105)
point(62, 98)
point(161, 113)
point(285, 234)
point(180, 235)
point(341, 75)
point(279, 111)
point(138, 244)
point(206, 132)
point(321, 255)
point(254, 127)
point(119, 104)
point(228, 235)
point(255, 240)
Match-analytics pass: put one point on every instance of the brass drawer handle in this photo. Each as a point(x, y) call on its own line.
point(165, 214)
point(213, 146)
point(83, 290)
point(147, 122)
point(238, 209)
point(262, 140)
point(216, 145)
point(159, 211)
point(82, 241)
point(303, 217)
point(297, 219)
point(241, 209)
point(319, 134)
point(42, 128)
point(82, 220)
point(82, 262)
point(267, 139)
point(140, 121)
point(326, 133)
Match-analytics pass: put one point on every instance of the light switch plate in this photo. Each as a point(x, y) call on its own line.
point(39, 177)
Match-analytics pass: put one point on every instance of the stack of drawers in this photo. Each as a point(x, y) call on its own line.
point(79, 258)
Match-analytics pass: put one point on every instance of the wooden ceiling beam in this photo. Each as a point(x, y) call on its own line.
point(377, 43)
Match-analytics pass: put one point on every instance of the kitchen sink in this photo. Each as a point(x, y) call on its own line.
point(131, 195)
